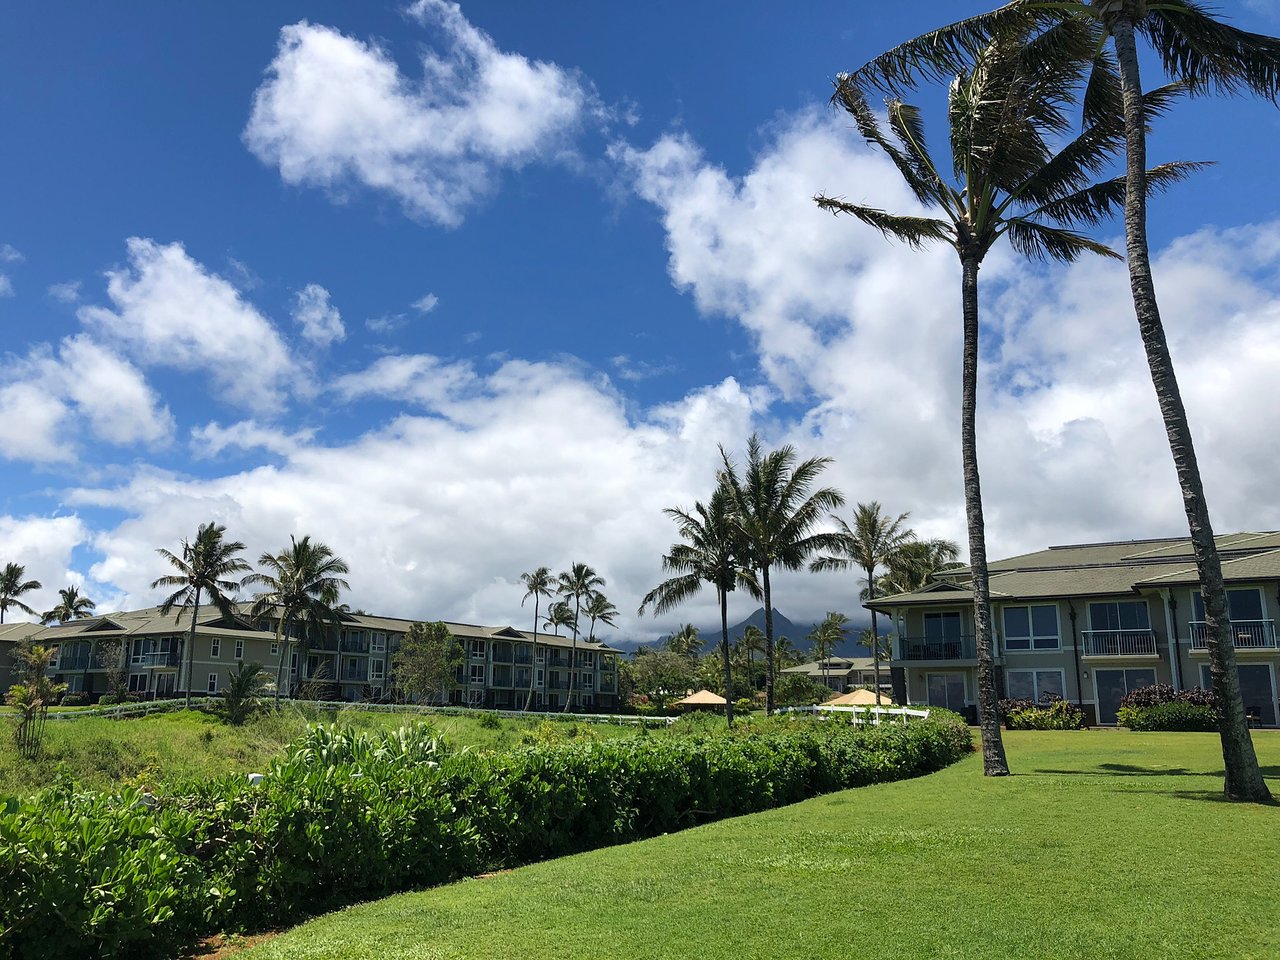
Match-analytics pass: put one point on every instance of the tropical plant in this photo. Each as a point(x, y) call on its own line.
point(71, 605)
point(1193, 48)
point(826, 637)
point(712, 552)
point(32, 697)
point(685, 642)
point(12, 586)
point(111, 657)
point(538, 584)
point(1004, 112)
point(426, 665)
point(559, 614)
point(205, 569)
point(301, 586)
point(746, 647)
point(785, 653)
point(599, 609)
point(578, 583)
point(775, 511)
point(913, 565)
point(872, 541)
point(241, 695)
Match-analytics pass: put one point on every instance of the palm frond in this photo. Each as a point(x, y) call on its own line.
point(920, 177)
point(1094, 205)
point(1192, 45)
point(914, 231)
point(1037, 241)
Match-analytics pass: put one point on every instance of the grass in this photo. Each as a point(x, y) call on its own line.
point(1104, 844)
point(102, 753)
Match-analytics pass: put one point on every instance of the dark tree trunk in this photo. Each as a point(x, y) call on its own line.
point(994, 763)
point(191, 651)
point(533, 663)
point(724, 651)
point(768, 643)
point(875, 632)
point(573, 660)
point(1243, 777)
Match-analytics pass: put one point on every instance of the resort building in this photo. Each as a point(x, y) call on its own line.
point(351, 660)
point(843, 674)
point(1089, 623)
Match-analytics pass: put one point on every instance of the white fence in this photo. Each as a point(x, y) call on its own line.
point(861, 715)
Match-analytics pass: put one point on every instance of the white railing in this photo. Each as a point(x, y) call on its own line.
point(860, 715)
point(1119, 643)
point(1247, 634)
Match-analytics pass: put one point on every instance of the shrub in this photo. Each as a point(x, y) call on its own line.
point(489, 721)
point(75, 699)
point(1047, 715)
point(1160, 693)
point(345, 816)
point(1172, 715)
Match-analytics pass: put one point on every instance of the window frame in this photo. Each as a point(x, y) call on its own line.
point(1032, 639)
point(1037, 693)
point(211, 687)
point(215, 648)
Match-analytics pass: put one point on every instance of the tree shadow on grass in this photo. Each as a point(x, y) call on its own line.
point(1130, 770)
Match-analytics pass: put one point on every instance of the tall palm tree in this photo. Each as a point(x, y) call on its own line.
point(12, 586)
point(869, 544)
point(776, 510)
point(537, 584)
point(712, 552)
point(301, 583)
point(578, 582)
point(71, 605)
point(1003, 112)
point(685, 642)
point(559, 614)
point(785, 653)
point(826, 636)
point(599, 609)
point(1195, 48)
point(205, 569)
point(912, 565)
point(748, 645)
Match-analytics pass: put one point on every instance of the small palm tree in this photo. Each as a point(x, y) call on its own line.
point(241, 694)
point(538, 584)
point(1195, 48)
point(870, 543)
point(825, 638)
point(712, 552)
point(785, 653)
point(685, 642)
point(13, 584)
point(775, 512)
point(578, 583)
point(1004, 112)
point(302, 585)
point(204, 570)
point(72, 605)
point(559, 614)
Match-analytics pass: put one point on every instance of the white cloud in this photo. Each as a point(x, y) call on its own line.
point(44, 546)
point(386, 324)
point(420, 378)
point(171, 311)
point(426, 304)
point(634, 370)
point(10, 254)
point(66, 292)
point(6, 286)
point(212, 439)
point(335, 111)
point(31, 422)
point(320, 321)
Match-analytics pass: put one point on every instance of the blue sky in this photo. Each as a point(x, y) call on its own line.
point(467, 290)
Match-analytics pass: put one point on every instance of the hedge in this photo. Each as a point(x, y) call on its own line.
point(347, 816)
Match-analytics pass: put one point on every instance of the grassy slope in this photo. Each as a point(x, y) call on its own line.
point(1105, 844)
point(102, 753)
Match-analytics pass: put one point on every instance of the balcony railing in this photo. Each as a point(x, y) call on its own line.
point(350, 645)
point(360, 673)
point(71, 662)
point(930, 648)
point(1119, 643)
point(162, 658)
point(1248, 634)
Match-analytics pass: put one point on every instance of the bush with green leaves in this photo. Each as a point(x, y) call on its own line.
point(1172, 715)
point(347, 816)
point(1046, 715)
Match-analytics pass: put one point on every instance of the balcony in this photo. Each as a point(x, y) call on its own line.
point(1248, 634)
point(1119, 643)
point(355, 645)
point(162, 658)
point(360, 673)
point(934, 648)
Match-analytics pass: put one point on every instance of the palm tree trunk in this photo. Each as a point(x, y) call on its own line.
point(875, 631)
point(191, 648)
point(1243, 777)
point(533, 663)
point(573, 661)
point(768, 643)
point(282, 644)
point(724, 651)
point(994, 763)
point(84, 678)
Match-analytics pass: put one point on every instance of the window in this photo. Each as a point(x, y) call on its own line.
point(946, 690)
point(1035, 684)
point(1123, 615)
point(477, 649)
point(942, 626)
point(379, 644)
point(137, 656)
point(215, 648)
point(1031, 628)
point(539, 680)
point(1243, 604)
point(137, 683)
point(375, 669)
point(293, 662)
point(588, 681)
point(213, 683)
point(75, 683)
point(477, 673)
point(275, 648)
point(239, 649)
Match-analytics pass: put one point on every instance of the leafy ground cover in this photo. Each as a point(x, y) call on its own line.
point(1105, 844)
point(101, 753)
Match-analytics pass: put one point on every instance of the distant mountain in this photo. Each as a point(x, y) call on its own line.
point(797, 633)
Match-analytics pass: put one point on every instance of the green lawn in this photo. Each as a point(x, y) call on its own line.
point(1105, 844)
point(102, 753)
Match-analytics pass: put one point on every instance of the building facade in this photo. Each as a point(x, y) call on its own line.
point(350, 660)
point(1089, 623)
point(843, 674)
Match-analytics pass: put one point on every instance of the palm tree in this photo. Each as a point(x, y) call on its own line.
point(1195, 48)
point(775, 514)
point(685, 642)
point(12, 586)
point(72, 605)
point(599, 609)
point(302, 584)
point(869, 544)
point(578, 582)
point(559, 614)
point(712, 552)
point(1003, 113)
point(204, 570)
point(785, 653)
point(749, 644)
point(912, 566)
point(537, 584)
point(826, 636)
